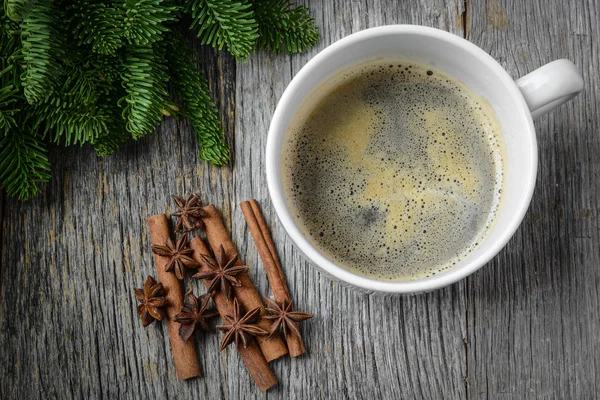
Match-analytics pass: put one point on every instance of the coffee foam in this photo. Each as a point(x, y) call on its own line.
point(394, 170)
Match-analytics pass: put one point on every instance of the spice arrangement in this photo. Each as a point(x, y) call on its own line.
point(281, 310)
point(252, 325)
point(102, 72)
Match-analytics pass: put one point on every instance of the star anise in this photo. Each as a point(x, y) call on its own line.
point(179, 255)
point(283, 315)
point(222, 272)
point(190, 213)
point(151, 300)
point(194, 313)
point(240, 328)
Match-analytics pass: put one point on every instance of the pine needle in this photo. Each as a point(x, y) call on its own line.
point(283, 26)
point(23, 164)
point(145, 80)
point(42, 50)
point(226, 24)
point(192, 91)
point(98, 25)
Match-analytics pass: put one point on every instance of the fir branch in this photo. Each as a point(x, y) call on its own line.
point(145, 20)
point(281, 25)
point(116, 132)
point(75, 114)
point(81, 85)
point(41, 50)
point(224, 23)
point(108, 67)
point(110, 142)
point(10, 52)
point(144, 79)
point(7, 110)
point(192, 91)
point(98, 25)
point(15, 9)
point(9, 30)
point(9, 97)
point(23, 164)
point(71, 125)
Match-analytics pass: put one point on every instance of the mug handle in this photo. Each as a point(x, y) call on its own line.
point(550, 86)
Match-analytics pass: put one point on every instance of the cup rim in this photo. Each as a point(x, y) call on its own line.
point(273, 159)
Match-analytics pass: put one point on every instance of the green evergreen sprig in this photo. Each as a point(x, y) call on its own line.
point(145, 20)
point(192, 93)
point(226, 24)
point(23, 164)
point(98, 72)
point(145, 81)
point(99, 25)
point(283, 26)
point(14, 9)
point(42, 50)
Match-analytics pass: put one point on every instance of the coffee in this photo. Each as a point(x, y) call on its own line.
point(394, 170)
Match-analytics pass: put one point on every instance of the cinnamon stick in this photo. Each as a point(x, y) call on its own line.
point(217, 235)
point(266, 249)
point(184, 354)
point(252, 355)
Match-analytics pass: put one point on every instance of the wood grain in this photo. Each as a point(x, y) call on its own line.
point(526, 326)
point(534, 325)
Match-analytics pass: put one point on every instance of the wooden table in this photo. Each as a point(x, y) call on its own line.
point(525, 326)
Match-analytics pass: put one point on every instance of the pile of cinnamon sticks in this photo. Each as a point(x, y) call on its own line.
point(259, 352)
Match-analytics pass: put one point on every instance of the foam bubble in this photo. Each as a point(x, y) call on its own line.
point(394, 170)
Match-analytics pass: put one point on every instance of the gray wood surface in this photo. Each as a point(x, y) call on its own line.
point(525, 326)
point(534, 311)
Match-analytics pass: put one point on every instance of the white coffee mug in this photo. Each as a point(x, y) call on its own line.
point(515, 104)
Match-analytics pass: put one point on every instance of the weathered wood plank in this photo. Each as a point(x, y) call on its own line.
point(357, 346)
point(534, 326)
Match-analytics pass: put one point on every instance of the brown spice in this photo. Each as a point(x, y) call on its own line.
point(247, 295)
point(184, 353)
point(222, 272)
point(253, 357)
point(284, 316)
point(266, 249)
point(195, 312)
point(178, 254)
point(240, 328)
point(190, 213)
point(151, 300)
